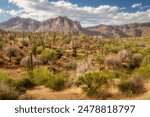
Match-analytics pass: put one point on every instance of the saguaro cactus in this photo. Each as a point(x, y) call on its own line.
point(34, 49)
point(10, 56)
point(74, 48)
point(31, 62)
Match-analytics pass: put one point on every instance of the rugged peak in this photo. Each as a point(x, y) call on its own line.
point(60, 24)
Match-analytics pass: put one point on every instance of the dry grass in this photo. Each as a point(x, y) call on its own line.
point(15, 73)
point(42, 93)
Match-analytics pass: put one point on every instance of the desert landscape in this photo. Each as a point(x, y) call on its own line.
point(74, 50)
point(58, 59)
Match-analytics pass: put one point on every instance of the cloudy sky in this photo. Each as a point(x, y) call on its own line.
point(88, 12)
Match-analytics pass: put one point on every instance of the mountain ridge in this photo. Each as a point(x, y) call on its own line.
point(66, 25)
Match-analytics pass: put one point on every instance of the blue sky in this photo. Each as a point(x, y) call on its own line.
point(88, 12)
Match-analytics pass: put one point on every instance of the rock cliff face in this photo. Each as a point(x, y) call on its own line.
point(60, 24)
point(66, 25)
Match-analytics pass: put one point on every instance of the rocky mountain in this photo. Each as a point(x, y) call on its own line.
point(120, 31)
point(20, 24)
point(66, 25)
point(60, 24)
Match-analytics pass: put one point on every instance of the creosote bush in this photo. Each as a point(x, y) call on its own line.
point(7, 88)
point(95, 83)
point(6, 79)
point(57, 83)
point(146, 60)
point(39, 49)
point(24, 84)
point(41, 75)
point(144, 71)
point(100, 59)
point(133, 86)
point(51, 55)
point(71, 66)
point(136, 60)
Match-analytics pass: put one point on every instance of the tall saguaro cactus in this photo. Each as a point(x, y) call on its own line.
point(74, 48)
point(10, 56)
point(31, 62)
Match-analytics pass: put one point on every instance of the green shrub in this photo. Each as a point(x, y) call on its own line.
point(134, 49)
point(144, 51)
point(24, 84)
point(115, 49)
point(95, 83)
point(6, 79)
point(57, 82)
point(117, 74)
point(146, 60)
point(41, 75)
point(71, 65)
point(51, 55)
point(136, 60)
point(144, 71)
point(134, 86)
point(100, 59)
point(7, 92)
point(39, 49)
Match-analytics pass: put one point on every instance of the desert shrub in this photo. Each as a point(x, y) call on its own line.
point(146, 60)
point(71, 66)
point(25, 42)
point(113, 62)
point(140, 44)
point(106, 48)
point(124, 55)
point(13, 51)
point(6, 79)
point(115, 49)
point(134, 49)
point(39, 49)
point(41, 75)
point(51, 55)
point(144, 71)
point(144, 51)
point(136, 60)
point(117, 74)
point(7, 92)
point(83, 37)
point(24, 84)
point(100, 59)
point(57, 82)
point(83, 67)
point(133, 86)
point(94, 83)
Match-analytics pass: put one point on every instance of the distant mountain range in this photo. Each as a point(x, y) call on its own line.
point(66, 25)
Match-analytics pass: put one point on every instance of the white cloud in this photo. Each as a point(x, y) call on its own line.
point(14, 12)
point(136, 5)
point(87, 15)
point(1, 10)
